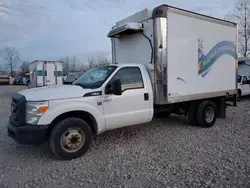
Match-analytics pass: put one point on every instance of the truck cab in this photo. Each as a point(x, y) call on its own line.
point(103, 98)
point(243, 86)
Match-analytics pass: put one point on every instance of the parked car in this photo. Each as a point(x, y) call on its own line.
point(18, 80)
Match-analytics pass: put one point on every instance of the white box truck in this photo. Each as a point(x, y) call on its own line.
point(166, 60)
point(45, 73)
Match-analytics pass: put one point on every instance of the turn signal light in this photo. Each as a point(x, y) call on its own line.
point(43, 109)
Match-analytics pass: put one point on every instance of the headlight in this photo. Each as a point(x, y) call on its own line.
point(34, 110)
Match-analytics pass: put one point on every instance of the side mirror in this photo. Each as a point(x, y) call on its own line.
point(109, 89)
point(244, 82)
point(117, 87)
point(114, 87)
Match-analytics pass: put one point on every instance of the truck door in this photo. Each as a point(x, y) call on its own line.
point(58, 73)
point(133, 106)
point(50, 78)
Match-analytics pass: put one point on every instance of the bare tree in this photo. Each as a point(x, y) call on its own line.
point(24, 67)
point(241, 15)
point(96, 59)
point(66, 64)
point(1, 68)
point(101, 58)
point(11, 57)
point(81, 67)
point(73, 64)
point(91, 62)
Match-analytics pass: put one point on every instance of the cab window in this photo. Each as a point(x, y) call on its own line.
point(244, 81)
point(130, 77)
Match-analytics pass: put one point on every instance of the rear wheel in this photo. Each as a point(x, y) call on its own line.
point(70, 138)
point(206, 114)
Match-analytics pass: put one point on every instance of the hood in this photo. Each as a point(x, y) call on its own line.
point(54, 92)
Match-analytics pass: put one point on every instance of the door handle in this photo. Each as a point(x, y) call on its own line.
point(146, 97)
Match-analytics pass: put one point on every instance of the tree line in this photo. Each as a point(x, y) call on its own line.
point(11, 58)
point(71, 64)
point(12, 61)
point(241, 16)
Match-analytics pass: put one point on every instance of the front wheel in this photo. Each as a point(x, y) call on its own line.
point(70, 138)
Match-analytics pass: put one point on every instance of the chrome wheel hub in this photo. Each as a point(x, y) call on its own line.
point(72, 140)
point(209, 114)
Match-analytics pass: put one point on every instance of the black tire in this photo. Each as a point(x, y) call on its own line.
point(239, 95)
point(192, 113)
point(202, 118)
point(57, 133)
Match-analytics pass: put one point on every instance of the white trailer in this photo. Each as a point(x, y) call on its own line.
point(165, 60)
point(45, 73)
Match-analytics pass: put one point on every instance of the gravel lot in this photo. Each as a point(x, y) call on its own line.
point(163, 153)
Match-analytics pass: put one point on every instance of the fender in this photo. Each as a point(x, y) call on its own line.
point(56, 110)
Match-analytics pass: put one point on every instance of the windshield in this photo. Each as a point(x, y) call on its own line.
point(239, 79)
point(95, 77)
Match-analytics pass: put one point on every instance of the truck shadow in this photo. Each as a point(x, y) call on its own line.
point(156, 123)
point(245, 98)
point(132, 132)
point(104, 140)
point(19, 152)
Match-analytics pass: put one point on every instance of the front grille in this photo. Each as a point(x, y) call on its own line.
point(18, 105)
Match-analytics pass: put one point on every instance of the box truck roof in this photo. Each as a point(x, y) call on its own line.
point(161, 11)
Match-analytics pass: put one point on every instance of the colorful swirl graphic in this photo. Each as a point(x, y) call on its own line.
point(205, 62)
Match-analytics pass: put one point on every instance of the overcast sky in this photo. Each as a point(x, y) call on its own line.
point(49, 29)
